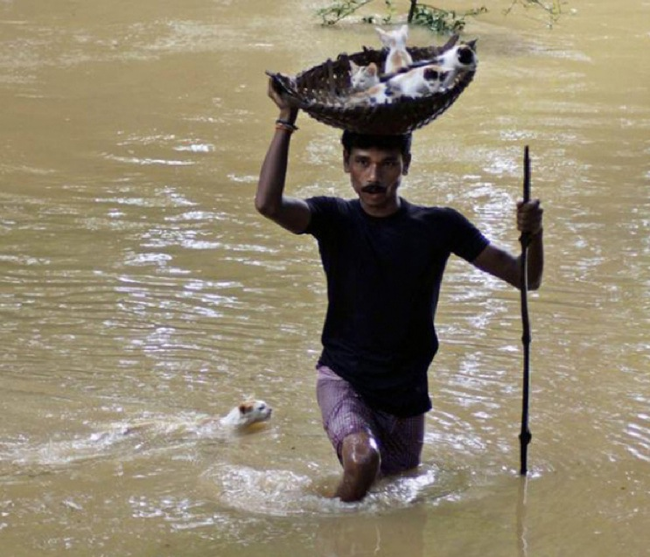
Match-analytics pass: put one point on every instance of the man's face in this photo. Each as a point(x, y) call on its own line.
point(376, 175)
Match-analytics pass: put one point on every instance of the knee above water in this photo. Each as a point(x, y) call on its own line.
point(360, 449)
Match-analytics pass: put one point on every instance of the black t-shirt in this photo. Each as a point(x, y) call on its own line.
point(383, 281)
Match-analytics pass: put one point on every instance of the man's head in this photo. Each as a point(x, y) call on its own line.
point(376, 164)
point(349, 140)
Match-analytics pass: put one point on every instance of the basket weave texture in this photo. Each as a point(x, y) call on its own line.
point(321, 92)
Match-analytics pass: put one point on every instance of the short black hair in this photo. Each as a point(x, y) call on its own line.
point(350, 140)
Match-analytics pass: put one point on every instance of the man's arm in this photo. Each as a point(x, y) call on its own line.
point(290, 213)
point(503, 265)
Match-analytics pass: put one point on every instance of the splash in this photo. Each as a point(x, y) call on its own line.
point(288, 493)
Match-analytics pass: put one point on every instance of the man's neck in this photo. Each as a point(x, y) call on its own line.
point(382, 211)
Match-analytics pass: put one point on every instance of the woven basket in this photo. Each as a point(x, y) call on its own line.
point(321, 92)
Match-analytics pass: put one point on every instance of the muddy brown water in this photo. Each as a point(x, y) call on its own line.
point(140, 292)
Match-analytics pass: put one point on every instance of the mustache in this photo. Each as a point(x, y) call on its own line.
point(375, 187)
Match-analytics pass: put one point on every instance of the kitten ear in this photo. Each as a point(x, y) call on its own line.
point(354, 67)
point(404, 31)
point(245, 408)
point(372, 69)
point(383, 35)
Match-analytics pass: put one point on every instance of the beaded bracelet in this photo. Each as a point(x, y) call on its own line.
point(286, 126)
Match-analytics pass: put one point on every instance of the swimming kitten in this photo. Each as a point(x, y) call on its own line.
point(247, 413)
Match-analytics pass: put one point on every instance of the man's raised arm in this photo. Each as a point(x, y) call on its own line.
point(290, 213)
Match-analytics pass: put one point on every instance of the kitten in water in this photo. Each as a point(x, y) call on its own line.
point(398, 58)
point(246, 414)
point(241, 417)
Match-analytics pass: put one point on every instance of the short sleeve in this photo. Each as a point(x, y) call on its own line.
point(326, 212)
point(467, 241)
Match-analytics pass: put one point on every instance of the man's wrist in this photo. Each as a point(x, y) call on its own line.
point(285, 126)
point(288, 115)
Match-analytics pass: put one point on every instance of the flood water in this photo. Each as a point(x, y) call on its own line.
point(140, 292)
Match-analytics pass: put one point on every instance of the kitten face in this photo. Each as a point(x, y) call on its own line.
point(434, 77)
point(363, 77)
point(466, 56)
point(395, 38)
point(248, 413)
point(461, 57)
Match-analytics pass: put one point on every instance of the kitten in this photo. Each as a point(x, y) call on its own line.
point(398, 57)
point(239, 418)
point(424, 78)
point(461, 58)
point(377, 94)
point(418, 82)
point(363, 77)
point(247, 413)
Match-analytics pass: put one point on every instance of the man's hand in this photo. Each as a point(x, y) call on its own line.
point(529, 217)
point(287, 113)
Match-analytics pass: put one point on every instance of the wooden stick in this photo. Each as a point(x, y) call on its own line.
point(525, 435)
point(412, 11)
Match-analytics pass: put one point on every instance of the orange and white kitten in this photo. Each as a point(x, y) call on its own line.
point(398, 57)
point(247, 413)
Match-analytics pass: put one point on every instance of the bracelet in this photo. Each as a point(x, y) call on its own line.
point(286, 126)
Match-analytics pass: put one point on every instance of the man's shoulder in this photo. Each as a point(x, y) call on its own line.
point(325, 203)
point(430, 211)
point(329, 213)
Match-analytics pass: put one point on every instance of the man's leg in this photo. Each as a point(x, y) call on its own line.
point(360, 459)
point(401, 441)
point(349, 425)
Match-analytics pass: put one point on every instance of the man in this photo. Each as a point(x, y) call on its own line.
point(384, 259)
